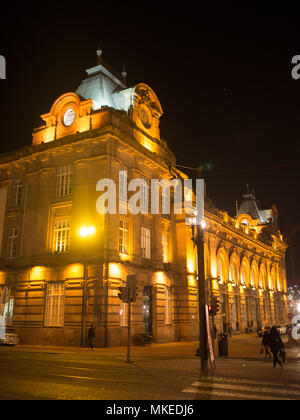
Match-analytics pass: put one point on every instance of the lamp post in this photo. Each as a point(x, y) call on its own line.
point(85, 233)
point(199, 242)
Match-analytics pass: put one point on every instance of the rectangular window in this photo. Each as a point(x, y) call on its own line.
point(16, 193)
point(12, 240)
point(144, 194)
point(145, 243)
point(7, 305)
point(165, 202)
point(54, 310)
point(61, 236)
point(165, 247)
point(123, 180)
point(64, 181)
point(123, 236)
point(168, 306)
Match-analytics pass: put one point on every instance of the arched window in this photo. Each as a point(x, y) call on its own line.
point(244, 275)
point(221, 269)
point(233, 272)
point(263, 280)
point(253, 278)
point(273, 280)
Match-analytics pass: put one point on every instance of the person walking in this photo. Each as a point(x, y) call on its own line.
point(276, 345)
point(265, 342)
point(215, 331)
point(91, 336)
point(229, 329)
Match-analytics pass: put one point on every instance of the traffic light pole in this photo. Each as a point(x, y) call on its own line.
point(213, 330)
point(84, 304)
point(129, 325)
point(128, 295)
point(199, 240)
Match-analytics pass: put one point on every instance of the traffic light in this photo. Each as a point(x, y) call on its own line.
point(210, 310)
point(123, 294)
point(215, 305)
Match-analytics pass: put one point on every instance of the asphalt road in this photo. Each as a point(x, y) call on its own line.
point(158, 372)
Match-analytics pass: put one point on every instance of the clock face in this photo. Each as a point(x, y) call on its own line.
point(69, 117)
point(145, 116)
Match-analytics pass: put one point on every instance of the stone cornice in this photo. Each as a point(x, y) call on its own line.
point(238, 238)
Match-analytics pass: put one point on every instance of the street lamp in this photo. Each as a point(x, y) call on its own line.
point(198, 240)
point(85, 232)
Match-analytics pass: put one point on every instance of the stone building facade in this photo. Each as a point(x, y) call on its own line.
point(55, 282)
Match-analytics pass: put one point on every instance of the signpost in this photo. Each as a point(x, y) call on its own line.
point(127, 295)
point(199, 242)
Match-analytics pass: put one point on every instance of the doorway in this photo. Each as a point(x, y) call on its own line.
point(147, 309)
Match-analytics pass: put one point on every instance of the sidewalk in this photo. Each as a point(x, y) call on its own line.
point(248, 346)
point(241, 346)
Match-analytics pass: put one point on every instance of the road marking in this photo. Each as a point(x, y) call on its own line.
point(75, 377)
point(80, 368)
point(92, 378)
point(215, 392)
point(262, 390)
point(252, 382)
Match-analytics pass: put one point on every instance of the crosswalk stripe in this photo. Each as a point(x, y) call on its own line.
point(235, 395)
point(285, 389)
point(239, 388)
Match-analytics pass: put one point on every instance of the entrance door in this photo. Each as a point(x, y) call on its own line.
point(7, 305)
point(147, 309)
point(235, 310)
point(258, 313)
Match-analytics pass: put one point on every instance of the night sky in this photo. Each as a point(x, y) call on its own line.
point(223, 79)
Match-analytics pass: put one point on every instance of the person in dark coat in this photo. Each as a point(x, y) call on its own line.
point(215, 331)
point(91, 336)
point(266, 344)
point(276, 345)
point(229, 329)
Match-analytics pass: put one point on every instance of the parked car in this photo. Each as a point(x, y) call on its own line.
point(261, 332)
point(10, 338)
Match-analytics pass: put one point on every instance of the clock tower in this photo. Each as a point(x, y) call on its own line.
point(103, 91)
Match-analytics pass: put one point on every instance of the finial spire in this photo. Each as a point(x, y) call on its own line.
point(99, 54)
point(124, 74)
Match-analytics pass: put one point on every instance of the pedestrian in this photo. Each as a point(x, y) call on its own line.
point(251, 326)
point(237, 326)
point(229, 329)
point(265, 342)
point(276, 345)
point(91, 336)
point(214, 331)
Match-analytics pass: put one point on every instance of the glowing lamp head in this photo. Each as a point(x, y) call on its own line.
point(87, 231)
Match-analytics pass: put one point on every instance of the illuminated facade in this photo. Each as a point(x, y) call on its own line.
point(244, 266)
point(59, 255)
